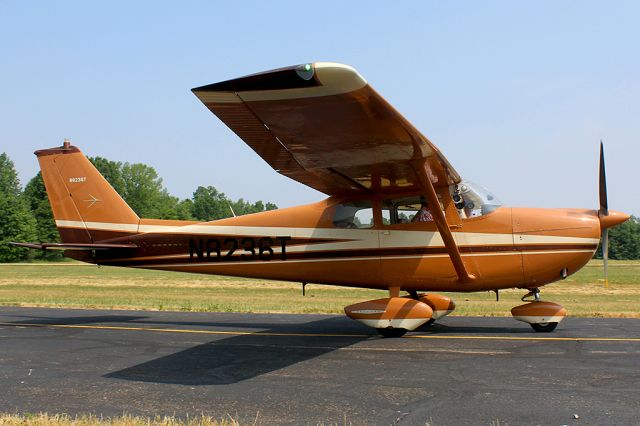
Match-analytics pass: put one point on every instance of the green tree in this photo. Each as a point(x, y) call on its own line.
point(165, 206)
point(9, 183)
point(141, 187)
point(242, 207)
point(112, 172)
point(624, 241)
point(36, 196)
point(210, 204)
point(184, 210)
point(16, 221)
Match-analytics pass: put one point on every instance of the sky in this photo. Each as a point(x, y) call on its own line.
point(517, 95)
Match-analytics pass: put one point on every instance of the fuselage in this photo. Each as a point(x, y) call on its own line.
point(508, 247)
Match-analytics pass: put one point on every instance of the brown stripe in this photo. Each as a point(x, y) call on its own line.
point(184, 238)
point(545, 247)
point(81, 235)
point(104, 236)
point(74, 235)
point(341, 254)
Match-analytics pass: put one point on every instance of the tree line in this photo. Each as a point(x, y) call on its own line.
point(25, 213)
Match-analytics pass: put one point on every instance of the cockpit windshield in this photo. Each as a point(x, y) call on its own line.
point(473, 200)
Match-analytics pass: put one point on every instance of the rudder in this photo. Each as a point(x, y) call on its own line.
point(85, 206)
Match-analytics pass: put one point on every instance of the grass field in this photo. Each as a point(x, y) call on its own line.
point(44, 419)
point(84, 286)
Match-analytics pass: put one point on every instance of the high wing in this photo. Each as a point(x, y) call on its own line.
point(323, 125)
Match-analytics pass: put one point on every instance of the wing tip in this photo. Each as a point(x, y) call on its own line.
point(276, 79)
point(310, 74)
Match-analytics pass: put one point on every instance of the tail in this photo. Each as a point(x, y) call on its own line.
point(85, 206)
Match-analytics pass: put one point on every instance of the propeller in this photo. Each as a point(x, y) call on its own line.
point(603, 212)
point(608, 218)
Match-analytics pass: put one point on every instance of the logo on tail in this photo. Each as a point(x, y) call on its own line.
point(92, 201)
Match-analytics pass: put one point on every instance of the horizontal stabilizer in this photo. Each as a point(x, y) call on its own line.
point(73, 246)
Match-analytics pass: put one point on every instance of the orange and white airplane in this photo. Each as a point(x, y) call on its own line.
point(398, 217)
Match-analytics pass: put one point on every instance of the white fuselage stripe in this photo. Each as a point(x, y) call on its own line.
point(355, 238)
point(98, 226)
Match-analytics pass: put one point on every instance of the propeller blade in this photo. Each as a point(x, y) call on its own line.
point(602, 212)
point(605, 255)
point(604, 205)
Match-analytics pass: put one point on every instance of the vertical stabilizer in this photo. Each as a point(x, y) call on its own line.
point(85, 206)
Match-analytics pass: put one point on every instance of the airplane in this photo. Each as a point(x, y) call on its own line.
point(398, 216)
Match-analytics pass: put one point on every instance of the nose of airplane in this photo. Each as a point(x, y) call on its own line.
point(612, 219)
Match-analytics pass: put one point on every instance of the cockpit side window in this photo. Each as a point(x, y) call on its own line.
point(354, 215)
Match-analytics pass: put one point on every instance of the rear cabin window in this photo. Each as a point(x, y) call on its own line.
point(400, 210)
point(355, 215)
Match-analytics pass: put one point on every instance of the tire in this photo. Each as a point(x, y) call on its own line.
point(392, 332)
point(544, 327)
point(427, 324)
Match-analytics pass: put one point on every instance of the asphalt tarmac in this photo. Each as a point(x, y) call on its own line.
point(309, 369)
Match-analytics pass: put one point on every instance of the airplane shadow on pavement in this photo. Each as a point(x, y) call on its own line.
point(232, 359)
point(227, 359)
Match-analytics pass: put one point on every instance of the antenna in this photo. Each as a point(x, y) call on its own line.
point(231, 208)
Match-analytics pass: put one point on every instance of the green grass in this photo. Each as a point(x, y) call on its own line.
point(83, 286)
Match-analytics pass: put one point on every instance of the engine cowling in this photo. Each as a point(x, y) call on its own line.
point(391, 312)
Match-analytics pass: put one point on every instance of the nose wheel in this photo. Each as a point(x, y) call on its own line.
point(392, 332)
point(542, 316)
point(544, 327)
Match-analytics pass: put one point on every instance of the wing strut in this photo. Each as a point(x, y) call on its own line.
point(429, 193)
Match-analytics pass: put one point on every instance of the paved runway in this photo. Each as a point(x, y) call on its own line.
point(318, 368)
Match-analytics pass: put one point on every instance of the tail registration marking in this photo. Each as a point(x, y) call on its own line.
point(254, 248)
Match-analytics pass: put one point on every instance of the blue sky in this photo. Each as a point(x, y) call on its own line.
point(516, 94)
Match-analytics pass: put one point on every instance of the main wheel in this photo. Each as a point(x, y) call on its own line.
point(392, 332)
point(427, 324)
point(544, 327)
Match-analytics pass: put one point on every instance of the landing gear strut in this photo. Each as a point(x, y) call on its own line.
point(415, 296)
point(534, 292)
